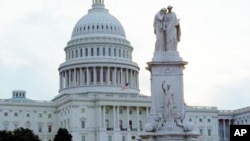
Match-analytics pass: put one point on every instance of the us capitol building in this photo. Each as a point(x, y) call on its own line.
point(99, 97)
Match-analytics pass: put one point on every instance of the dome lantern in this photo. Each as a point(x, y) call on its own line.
point(98, 3)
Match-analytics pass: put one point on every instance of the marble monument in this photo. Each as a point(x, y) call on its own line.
point(167, 121)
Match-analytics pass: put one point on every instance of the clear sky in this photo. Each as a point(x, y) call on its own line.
point(215, 42)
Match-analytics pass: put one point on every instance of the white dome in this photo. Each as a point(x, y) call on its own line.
point(98, 21)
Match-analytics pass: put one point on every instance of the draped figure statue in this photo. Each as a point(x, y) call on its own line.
point(171, 27)
point(167, 30)
point(158, 30)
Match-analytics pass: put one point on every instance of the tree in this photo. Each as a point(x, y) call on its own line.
point(19, 134)
point(63, 135)
point(6, 136)
point(22, 134)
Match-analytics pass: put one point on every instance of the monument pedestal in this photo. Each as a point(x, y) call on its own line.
point(166, 120)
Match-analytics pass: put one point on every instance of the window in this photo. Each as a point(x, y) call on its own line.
point(15, 114)
point(83, 123)
point(123, 138)
point(86, 52)
point(140, 112)
point(6, 125)
point(114, 51)
point(5, 114)
point(109, 138)
point(28, 115)
point(92, 51)
point(190, 120)
point(200, 119)
point(120, 124)
point(98, 51)
point(140, 124)
point(49, 128)
point(49, 115)
point(120, 111)
point(73, 54)
point(80, 52)
point(83, 138)
point(209, 120)
point(107, 123)
point(83, 110)
point(109, 51)
point(76, 53)
point(106, 111)
point(130, 112)
point(209, 132)
point(201, 132)
point(15, 126)
point(40, 128)
point(103, 51)
point(27, 124)
point(130, 124)
point(40, 115)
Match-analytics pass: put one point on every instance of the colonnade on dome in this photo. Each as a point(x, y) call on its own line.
point(98, 75)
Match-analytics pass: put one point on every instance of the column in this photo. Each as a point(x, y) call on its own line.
point(60, 80)
point(108, 76)
point(128, 129)
point(126, 81)
point(100, 116)
point(88, 76)
point(137, 82)
point(101, 75)
point(66, 79)
point(118, 116)
point(122, 79)
point(115, 76)
point(81, 78)
point(147, 111)
point(70, 78)
point(224, 129)
point(114, 117)
point(104, 117)
point(131, 78)
point(94, 71)
point(138, 121)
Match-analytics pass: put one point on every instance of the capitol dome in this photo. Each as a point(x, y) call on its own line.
point(98, 21)
point(98, 56)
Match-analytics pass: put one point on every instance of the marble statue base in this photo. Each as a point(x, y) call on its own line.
point(168, 136)
point(166, 56)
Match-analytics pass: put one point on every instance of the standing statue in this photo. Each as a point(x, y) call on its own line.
point(169, 102)
point(172, 29)
point(158, 30)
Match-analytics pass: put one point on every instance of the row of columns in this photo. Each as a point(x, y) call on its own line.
point(224, 128)
point(98, 76)
point(116, 117)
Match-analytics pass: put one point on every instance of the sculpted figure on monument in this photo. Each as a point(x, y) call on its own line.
point(171, 27)
point(169, 102)
point(158, 30)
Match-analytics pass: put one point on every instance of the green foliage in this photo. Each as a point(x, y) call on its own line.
point(19, 134)
point(63, 135)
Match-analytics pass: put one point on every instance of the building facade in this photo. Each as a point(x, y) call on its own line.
point(99, 97)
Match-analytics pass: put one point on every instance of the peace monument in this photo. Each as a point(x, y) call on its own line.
point(167, 121)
